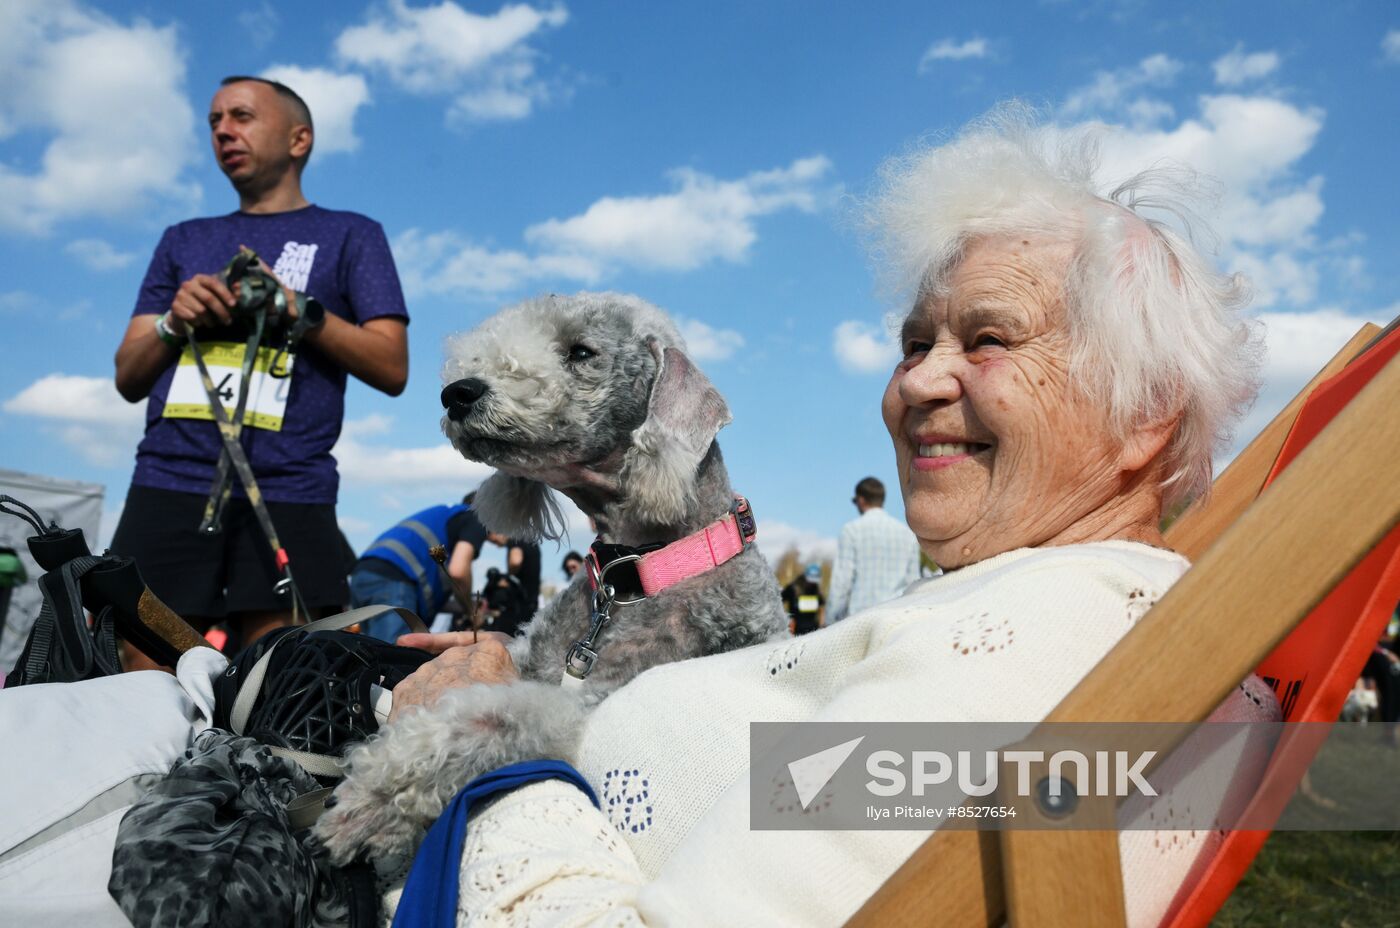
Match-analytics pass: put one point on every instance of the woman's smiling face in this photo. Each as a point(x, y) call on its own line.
point(995, 449)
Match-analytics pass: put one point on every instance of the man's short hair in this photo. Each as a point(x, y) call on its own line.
point(872, 491)
point(300, 111)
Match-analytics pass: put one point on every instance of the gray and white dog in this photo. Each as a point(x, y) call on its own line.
point(591, 395)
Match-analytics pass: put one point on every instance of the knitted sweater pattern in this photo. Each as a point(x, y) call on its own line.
point(1003, 640)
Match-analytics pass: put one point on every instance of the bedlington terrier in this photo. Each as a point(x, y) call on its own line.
point(591, 395)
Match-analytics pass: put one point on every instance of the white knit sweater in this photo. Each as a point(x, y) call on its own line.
point(1002, 640)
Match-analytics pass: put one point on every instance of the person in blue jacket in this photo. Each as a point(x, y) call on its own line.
point(397, 570)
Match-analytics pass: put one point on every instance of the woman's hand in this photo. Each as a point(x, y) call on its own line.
point(459, 663)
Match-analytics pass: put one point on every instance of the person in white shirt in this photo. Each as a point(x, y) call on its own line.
point(876, 559)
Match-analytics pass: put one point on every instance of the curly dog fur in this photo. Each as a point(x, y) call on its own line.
point(591, 395)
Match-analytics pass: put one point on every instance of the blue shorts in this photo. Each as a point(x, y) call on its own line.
point(374, 587)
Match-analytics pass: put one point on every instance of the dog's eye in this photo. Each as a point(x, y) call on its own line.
point(581, 353)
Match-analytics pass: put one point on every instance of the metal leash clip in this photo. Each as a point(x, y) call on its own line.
point(578, 663)
point(581, 657)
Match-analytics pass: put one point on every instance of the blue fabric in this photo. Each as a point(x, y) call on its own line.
point(368, 588)
point(430, 895)
point(434, 519)
point(340, 258)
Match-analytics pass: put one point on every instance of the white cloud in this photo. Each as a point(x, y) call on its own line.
point(261, 23)
point(85, 413)
point(1265, 216)
point(705, 219)
point(22, 301)
point(375, 423)
point(69, 69)
point(1111, 93)
point(706, 343)
point(1245, 142)
point(1277, 277)
point(1148, 112)
point(387, 465)
point(1252, 145)
point(333, 99)
point(1235, 67)
point(952, 50)
point(484, 60)
point(18, 301)
point(864, 349)
point(99, 255)
point(446, 263)
point(774, 538)
point(75, 399)
point(353, 525)
point(1298, 344)
point(1390, 45)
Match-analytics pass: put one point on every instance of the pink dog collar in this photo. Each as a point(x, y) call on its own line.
point(664, 567)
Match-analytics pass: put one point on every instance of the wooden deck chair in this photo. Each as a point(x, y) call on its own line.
point(1296, 584)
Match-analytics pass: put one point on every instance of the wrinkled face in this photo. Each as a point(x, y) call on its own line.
point(995, 449)
point(251, 128)
point(561, 387)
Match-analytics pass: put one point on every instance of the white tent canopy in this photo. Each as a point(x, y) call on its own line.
point(70, 503)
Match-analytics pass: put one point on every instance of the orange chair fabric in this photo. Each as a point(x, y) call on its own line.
point(1314, 668)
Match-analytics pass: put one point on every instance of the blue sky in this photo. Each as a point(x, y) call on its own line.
point(707, 157)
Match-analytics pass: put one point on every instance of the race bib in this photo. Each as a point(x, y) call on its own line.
point(267, 390)
point(808, 604)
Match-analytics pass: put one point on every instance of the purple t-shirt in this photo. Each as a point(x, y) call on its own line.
point(340, 258)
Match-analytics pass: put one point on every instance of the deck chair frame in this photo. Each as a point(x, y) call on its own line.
point(1186, 654)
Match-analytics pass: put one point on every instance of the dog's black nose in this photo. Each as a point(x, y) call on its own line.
point(457, 397)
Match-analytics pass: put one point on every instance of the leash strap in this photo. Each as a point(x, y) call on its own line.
point(222, 486)
point(228, 433)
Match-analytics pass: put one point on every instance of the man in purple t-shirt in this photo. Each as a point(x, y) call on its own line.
point(262, 136)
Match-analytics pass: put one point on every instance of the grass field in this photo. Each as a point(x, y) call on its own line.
point(1312, 879)
point(1331, 879)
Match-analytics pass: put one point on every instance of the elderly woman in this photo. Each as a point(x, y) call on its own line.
point(1068, 366)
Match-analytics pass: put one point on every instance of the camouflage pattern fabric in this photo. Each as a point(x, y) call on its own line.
point(211, 845)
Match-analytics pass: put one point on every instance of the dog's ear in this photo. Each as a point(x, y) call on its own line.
point(518, 508)
point(683, 415)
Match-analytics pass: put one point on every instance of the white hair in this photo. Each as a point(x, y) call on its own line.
point(1155, 328)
